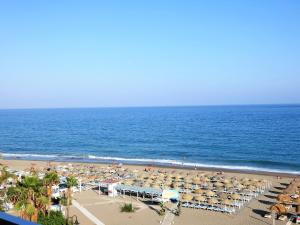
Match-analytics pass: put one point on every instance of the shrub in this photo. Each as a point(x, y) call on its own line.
point(53, 218)
point(127, 208)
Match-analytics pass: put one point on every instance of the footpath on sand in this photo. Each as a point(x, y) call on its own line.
point(85, 212)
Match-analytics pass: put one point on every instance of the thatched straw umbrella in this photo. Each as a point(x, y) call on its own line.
point(226, 202)
point(198, 182)
point(245, 179)
point(246, 183)
point(252, 188)
point(210, 186)
point(187, 186)
point(254, 180)
point(285, 198)
point(218, 184)
point(174, 185)
point(156, 186)
point(213, 201)
point(195, 180)
point(128, 182)
point(187, 197)
point(205, 179)
point(278, 208)
point(239, 186)
point(199, 191)
point(199, 198)
point(223, 195)
point(210, 193)
point(229, 185)
point(235, 196)
point(226, 181)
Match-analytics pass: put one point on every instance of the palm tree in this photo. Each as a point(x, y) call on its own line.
point(71, 182)
point(49, 180)
point(41, 203)
point(27, 197)
point(5, 175)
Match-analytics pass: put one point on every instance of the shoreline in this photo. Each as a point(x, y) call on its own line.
point(177, 167)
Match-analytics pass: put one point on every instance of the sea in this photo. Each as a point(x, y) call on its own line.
point(248, 137)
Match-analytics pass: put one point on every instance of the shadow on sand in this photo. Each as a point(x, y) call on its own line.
point(266, 202)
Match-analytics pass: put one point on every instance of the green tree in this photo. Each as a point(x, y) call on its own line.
point(71, 182)
point(27, 197)
point(49, 180)
point(4, 176)
point(54, 218)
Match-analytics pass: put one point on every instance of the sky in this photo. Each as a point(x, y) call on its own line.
point(57, 54)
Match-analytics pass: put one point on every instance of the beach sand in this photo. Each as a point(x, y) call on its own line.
point(107, 209)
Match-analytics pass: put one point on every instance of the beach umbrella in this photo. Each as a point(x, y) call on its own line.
point(156, 186)
point(284, 198)
point(128, 182)
point(206, 179)
point(178, 176)
point(263, 181)
point(223, 195)
point(174, 185)
point(218, 184)
point(189, 181)
point(254, 180)
point(278, 208)
point(226, 181)
point(245, 179)
point(187, 197)
point(146, 184)
point(252, 188)
point(167, 183)
point(218, 189)
point(226, 202)
point(187, 186)
point(235, 196)
point(229, 185)
point(246, 183)
point(199, 191)
point(196, 180)
point(188, 177)
point(210, 186)
point(210, 193)
point(239, 186)
point(199, 198)
point(212, 201)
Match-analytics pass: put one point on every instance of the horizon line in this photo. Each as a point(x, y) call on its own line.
point(152, 106)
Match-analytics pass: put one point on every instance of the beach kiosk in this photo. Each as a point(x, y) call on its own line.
point(109, 186)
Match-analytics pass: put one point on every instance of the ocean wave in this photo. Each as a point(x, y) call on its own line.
point(168, 162)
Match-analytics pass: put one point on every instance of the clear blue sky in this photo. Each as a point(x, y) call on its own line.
point(138, 53)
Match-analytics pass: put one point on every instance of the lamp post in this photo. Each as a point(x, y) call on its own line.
point(71, 218)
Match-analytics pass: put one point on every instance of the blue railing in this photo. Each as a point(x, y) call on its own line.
point(6, 219)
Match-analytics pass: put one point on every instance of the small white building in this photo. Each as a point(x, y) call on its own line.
point(109, 186)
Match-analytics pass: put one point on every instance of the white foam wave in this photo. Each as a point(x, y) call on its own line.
point(27, 155)
point(189, 164)
point(169, 162)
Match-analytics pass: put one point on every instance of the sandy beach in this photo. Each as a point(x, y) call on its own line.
point(107, 209)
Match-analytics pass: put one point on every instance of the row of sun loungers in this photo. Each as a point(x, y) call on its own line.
point(215, 208)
